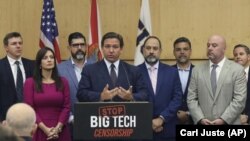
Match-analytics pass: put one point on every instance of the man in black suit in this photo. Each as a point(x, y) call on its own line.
point(182, 52)
point(9, 69)
point(111, 79)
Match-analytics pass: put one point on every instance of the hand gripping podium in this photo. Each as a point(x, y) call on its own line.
point(113, 120)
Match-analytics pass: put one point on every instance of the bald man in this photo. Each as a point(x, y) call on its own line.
point(21, 118)
point(217, 90)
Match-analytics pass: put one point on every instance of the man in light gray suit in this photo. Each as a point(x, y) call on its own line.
point(217, 90)
point(71, 69)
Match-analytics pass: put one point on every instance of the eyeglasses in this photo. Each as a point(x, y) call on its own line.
point(77, 45)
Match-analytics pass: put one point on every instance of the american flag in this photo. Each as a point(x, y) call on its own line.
point(49, 31)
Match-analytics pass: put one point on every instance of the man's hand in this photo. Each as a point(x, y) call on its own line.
point(218, 121)
point(126, 94)
point(206, 122)
point(182, 116)
point(157, 124)
point(108, 94)
point(243, 119)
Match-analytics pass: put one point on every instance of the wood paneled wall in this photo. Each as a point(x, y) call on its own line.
point(195, 19)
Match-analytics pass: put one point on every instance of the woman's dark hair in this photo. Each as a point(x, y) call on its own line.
point(38, 71)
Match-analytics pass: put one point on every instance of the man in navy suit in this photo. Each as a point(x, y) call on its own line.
point(182, 52)
point(111, 79)
point(164, 86)
point(71, 69)
point(8, 71)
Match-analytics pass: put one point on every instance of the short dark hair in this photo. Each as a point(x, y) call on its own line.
point(182, 39)
point(9, 36)
point(150, 37)
point(113, 35)
point(75, 35)
point(246, 48)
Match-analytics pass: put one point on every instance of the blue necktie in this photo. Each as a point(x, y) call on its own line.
point(213, 78)
point(19, 82)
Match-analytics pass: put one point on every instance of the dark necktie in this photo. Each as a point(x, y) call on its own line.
point(113, 75)
point(213, 78)
point(19, 82)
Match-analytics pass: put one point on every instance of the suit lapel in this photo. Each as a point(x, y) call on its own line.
point(105, 74)
point(71, 72)
point(189, 76)
point(9, 72)
point(159, 78)
point(223, 75)
point(123, 77)
point(26, 68)
point(147, 79)
point(248, 84)
point(206, 77)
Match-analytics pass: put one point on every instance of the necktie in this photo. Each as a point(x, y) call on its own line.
point(113, 75)
point(153, 78)
point(19, 82)
point(213, 78)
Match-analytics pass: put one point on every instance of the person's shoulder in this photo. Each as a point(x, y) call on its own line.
point(128, 66)
point(63, 64)
point(27, 60)
point(64, 80)
point(94, 65)
point(233, 65)
point(200, 65)
point(166, 66)
point(4, 59)
point(29, 80)
point(174, 65)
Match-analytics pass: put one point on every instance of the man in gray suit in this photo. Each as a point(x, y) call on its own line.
point(71, 69)
point(217, 90)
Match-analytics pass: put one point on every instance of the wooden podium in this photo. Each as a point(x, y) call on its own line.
point(112, 120)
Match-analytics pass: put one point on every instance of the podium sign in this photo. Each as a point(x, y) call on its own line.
point(112, 120)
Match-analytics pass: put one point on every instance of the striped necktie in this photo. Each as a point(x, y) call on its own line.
point(19, 82)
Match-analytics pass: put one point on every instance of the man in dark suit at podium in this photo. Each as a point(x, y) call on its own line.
point(111, 79)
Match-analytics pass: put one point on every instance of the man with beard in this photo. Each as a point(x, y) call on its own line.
point(182, 52)
point(164, 88)
point(217, 90)
point(71, 69)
